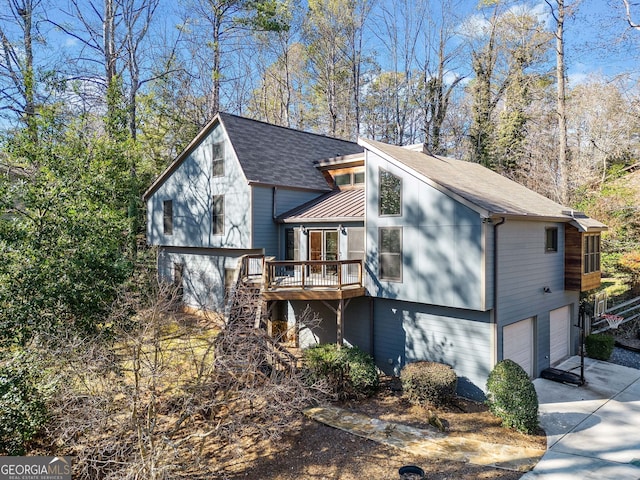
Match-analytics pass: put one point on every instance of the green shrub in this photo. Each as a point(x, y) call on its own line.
point(599, 346)
point(512, 397)
point(350, 372)
point(428, 383)
point(23, 411)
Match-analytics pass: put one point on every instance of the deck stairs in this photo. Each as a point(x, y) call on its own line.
point(246, 310)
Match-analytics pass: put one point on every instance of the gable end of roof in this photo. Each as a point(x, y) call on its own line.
point(181, 157)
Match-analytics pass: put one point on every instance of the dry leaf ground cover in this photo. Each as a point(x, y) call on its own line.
point(316, 451)
point(171, 426)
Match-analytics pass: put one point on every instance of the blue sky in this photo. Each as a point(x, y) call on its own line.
point(598, 38)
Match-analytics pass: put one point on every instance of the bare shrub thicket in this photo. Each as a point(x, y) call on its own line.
point(169, 395)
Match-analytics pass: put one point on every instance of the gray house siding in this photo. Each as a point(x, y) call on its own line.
point(406, 332)
point(266, 233)
point(443, 243)
point(287, 199)
point(524, 270)
point(264, 229)
point(203, 274)
point(191, 188)
point(343, 237)
point(357, 324)
point(489, 257)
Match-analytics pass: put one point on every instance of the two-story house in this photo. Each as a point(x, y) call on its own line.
point(409, 256)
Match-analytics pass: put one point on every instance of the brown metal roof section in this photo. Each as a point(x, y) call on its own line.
point(335, 206)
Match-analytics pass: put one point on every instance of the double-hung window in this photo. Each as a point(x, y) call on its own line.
point(551, 239)
point(390, 248)
point(217, 216)
point(591, 253)
point(167, 217)
point(218, 159)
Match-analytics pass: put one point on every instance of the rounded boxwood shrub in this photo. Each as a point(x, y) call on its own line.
point(429, 383)
point(349, 372)
point(512, 397)
point(599, 346)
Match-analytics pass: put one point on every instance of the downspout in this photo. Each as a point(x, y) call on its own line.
point(274, 203)
point(274, 210)
point(372, 330)
point(495, 284)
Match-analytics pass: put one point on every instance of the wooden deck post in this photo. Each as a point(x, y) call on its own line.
point(339, 311)
point(339, 323)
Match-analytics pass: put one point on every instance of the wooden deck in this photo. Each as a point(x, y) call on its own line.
point(305, 280)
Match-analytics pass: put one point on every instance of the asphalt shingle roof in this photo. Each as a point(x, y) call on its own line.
point(480, 186)
point(281, 156)
point(270, 154)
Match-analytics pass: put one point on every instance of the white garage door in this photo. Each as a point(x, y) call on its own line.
point(517, 344)
point(559, 329)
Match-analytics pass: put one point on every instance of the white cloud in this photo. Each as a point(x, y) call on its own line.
point(579, 78)
point(541, 12)
point(477, 26)
point(70, 42)
point(474, 27)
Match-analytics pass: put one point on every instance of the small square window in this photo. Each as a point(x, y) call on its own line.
point(342, 179)
point(551, 241)
point(358, 178)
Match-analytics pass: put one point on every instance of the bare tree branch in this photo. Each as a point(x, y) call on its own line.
point(627, 7)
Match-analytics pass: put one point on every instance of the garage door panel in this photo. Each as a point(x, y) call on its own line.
point(517, 344)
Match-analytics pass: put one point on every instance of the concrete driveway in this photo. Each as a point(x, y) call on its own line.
point(593, 431)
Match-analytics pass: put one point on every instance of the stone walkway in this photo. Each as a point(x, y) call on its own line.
point(428, 443)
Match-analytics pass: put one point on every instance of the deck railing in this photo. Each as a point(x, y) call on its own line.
point(252, 266)
point(277, 274)
point(312, 274)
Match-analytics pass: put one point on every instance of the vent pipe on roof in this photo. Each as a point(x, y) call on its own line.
point(573, 213)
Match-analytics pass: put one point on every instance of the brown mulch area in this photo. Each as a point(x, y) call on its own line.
point(316, 451)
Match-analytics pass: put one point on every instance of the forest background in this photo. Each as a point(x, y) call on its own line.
point(98, 97)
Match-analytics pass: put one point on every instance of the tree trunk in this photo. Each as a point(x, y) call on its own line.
point(109, 41)
point(29, 79)
point(215, 94)
point(563, 161)
point(17, 65)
